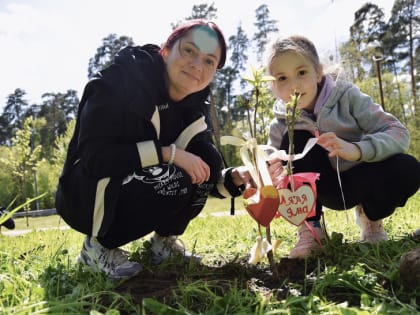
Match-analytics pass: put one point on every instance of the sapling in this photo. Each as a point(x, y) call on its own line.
point(262, 203)
point(257, 82)
point(292, 114)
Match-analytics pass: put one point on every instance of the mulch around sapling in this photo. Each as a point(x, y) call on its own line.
point(222, 274)
point(162, 282)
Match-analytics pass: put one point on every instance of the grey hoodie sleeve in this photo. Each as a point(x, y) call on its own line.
point(383, 134)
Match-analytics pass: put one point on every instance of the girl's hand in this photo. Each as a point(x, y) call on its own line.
point(275, 169)
point(339, 147)
point(195, 167)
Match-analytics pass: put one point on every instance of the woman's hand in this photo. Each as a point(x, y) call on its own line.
point(240, 176)
point(198, 170)
point(339, 147)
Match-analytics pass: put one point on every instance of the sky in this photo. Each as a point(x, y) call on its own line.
point(45, 45)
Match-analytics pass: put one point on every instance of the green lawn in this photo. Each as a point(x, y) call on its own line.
point(38, 274)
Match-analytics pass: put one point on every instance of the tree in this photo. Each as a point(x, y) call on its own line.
point(417, 64)
point(349, 59)
point(49, 171)
point(21, 162)
point(404, 26)
point(224, 83)
point(200, 11)
point(238, 45)
point(104, 56)
point(369, 24)
point(366, 36)
point(57, 109)
point(226, 77)
point(11, 119)
point(265, 26)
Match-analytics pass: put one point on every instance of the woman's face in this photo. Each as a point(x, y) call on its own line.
point(295, 73)
point(192, 62)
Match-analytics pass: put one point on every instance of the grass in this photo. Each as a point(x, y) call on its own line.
point(38, 274)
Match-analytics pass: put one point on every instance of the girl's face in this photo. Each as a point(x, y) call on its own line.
point(294, 72)
point(192, 62)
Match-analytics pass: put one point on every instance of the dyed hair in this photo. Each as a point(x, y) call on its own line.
point(183, 29)
point(297, 44)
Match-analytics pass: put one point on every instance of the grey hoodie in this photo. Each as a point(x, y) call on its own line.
point(353, 116)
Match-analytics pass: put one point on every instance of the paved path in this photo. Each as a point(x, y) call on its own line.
point(20, 232)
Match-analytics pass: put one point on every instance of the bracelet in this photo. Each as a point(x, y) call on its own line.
point(173, 151)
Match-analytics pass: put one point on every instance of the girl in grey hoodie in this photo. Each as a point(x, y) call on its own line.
point(360, 152)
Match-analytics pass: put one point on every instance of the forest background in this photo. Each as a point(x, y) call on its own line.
point(381, 56)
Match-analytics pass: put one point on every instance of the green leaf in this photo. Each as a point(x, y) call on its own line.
point(9, 214)
point(160, 308)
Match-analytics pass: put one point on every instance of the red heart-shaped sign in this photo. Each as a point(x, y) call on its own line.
point(265, 209)
point(296, 206)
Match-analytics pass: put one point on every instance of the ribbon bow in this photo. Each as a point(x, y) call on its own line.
point(253, 156)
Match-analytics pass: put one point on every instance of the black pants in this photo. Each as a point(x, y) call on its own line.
point(161, 199)
point(379, 186)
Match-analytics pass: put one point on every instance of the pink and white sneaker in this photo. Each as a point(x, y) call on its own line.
point(307, 244)
point(370, 231)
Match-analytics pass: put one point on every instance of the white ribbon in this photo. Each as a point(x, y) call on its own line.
point(281, 154)
point(257, 164)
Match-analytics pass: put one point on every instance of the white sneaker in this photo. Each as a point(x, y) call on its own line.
point(370, 231)
point(164, 247)
point(113, 262)
point(307, 244)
